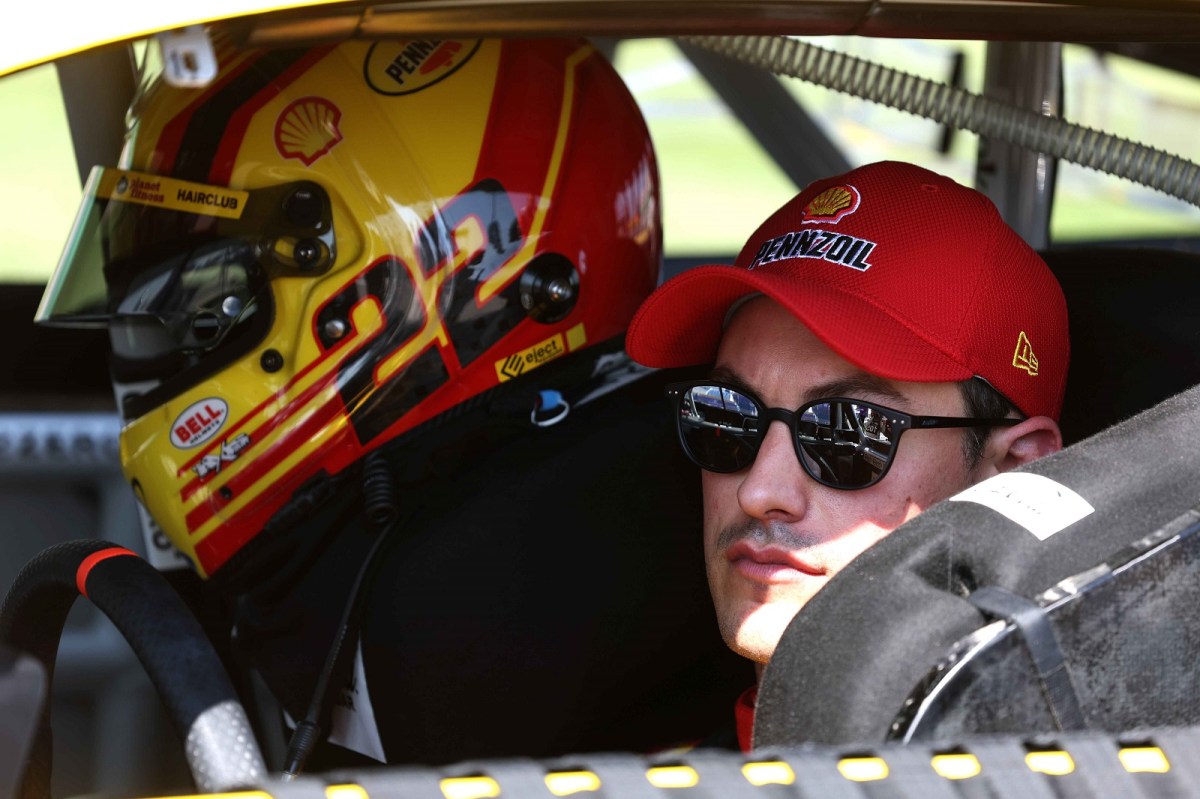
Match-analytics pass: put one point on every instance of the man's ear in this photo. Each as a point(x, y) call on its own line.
point(1010, 447)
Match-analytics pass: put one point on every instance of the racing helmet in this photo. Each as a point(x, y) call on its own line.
point(327, 247)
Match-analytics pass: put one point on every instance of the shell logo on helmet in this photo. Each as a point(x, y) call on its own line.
point(361, 293)
point(307, 129)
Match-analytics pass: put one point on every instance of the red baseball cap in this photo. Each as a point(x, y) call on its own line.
point(901, 271)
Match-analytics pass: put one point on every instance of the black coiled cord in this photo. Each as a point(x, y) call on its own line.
point(381, 506)
point(380, 502)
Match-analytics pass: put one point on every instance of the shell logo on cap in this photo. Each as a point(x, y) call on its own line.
point(832, 205)
point(307, 129)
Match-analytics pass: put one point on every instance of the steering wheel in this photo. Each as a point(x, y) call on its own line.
point(190, 679)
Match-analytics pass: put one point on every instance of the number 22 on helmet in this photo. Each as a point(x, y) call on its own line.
point(327, 247)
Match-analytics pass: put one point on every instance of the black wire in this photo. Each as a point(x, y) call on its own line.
point(381, 506)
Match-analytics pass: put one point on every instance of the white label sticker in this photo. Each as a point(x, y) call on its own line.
point(352, 718)
point(160, 552)
point(188, 58)
point(1037, 503)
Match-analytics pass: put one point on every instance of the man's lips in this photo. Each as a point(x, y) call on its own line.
point(770, 564)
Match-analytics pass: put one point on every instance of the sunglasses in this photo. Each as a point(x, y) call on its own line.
point(841, 443)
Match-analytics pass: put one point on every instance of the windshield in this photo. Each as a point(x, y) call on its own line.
point(548, 594)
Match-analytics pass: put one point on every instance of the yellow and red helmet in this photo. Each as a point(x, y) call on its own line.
point(327, 247)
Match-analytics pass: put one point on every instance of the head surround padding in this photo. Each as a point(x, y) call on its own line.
point(847, 662)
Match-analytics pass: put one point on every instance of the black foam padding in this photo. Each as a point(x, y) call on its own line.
point(36, 605)
point(846, 664)
point(31, 620)
point(1032, 622)
point(138, 600)
point(167, 639)
point(1129, 641)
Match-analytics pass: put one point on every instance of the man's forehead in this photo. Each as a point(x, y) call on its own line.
point(770, 352)
point(855, 384)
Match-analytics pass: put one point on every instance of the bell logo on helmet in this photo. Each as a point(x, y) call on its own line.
point(1023, 357)
point(307, 129)
point(199, 422)
point(832, 205)
point(405, 67)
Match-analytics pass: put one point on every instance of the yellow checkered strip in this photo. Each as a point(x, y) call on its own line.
point(680, 776)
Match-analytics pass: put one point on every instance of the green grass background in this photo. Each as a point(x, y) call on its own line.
point(717, 183)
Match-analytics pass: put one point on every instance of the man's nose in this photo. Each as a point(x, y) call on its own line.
point(775, 487)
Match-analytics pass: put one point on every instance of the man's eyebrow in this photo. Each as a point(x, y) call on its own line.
point(859, 385)
point(726, 375)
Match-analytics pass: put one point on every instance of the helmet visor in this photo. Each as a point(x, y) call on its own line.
point(173, 266)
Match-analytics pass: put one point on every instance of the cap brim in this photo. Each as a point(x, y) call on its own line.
point(681, 324)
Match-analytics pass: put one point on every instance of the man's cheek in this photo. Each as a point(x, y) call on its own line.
point(720, 496)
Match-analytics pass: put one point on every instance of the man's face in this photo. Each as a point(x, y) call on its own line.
point(773, 535)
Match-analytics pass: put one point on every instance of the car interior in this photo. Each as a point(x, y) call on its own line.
point(958, 657)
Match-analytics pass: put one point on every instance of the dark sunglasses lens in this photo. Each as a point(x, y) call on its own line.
point(719, 427)
point(846, 444)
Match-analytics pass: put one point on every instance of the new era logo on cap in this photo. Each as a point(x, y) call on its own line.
point(1023, 357)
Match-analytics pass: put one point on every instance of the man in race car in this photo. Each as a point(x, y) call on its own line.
point(884, 299)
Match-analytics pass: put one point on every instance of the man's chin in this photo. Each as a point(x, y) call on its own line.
point(755, 634)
